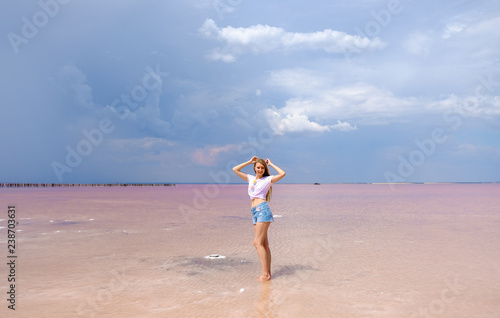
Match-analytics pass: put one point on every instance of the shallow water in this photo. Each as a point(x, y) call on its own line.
point(337, 251)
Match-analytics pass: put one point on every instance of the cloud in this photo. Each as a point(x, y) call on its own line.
point(145, 144)
point(282, 122)
point(140, 110)
point(74, 81)
point(316, 104)
point(149, 116)
point(482, 38)
point(216, 55)
point(467, 149)
point(300, 81)
point(208, 155)
point(487, 107)
point(484, 27)
point(451, 29)
point(344, 126)
point(260, 39)
point(147, 149)
point(465, 37)
point(317, 108)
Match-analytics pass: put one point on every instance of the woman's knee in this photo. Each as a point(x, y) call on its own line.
point(258, 243)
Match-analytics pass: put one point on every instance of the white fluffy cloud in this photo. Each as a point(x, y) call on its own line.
point(282, 122)
point(318, 105)
point(364, 104)
point(260, 38)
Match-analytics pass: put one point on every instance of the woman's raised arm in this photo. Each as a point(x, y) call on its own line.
point(281, 173)
point(241, 166)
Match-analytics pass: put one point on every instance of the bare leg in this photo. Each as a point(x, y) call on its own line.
point(261, 243)
point(268, 254)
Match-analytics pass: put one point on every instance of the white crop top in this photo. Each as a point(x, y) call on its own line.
point(258, 188)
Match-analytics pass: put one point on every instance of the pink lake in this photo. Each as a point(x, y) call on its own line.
point(338, 250)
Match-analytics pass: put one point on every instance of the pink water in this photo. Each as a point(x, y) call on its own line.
point(338, 251)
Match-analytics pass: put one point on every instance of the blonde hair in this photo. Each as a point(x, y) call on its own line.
point(266, 174)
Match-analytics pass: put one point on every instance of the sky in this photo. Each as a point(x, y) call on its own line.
point(181, 91)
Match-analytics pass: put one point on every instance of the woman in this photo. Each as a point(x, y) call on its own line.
point(259, 190)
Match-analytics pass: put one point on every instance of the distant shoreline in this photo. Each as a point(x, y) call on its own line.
point(56, 185)
point(52, 185)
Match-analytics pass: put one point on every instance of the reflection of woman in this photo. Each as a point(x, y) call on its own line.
point(265, 306)
point(259, 190)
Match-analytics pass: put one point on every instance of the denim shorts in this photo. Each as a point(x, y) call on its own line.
point(262, 213)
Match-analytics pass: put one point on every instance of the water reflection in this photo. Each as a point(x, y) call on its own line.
point(265, 307)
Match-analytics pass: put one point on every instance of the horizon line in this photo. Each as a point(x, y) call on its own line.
point(48, 184)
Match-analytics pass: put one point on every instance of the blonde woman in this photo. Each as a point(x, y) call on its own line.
point(259, 190)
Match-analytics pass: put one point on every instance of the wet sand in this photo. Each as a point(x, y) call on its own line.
point(338, 251)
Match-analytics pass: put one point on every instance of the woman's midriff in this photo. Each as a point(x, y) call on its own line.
point(257, 201)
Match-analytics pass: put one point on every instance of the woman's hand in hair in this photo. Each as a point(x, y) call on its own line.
point(281, 173)
point(254, 159)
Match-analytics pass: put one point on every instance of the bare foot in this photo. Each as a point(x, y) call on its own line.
point(265, 278)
